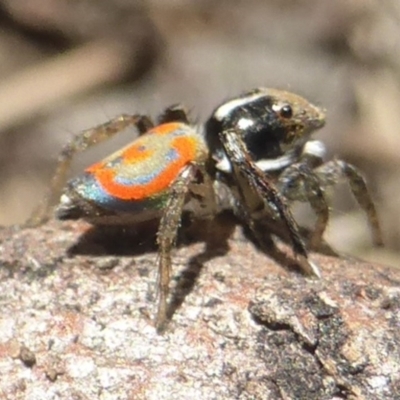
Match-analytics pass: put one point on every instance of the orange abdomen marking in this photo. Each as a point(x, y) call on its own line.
point(146, 168)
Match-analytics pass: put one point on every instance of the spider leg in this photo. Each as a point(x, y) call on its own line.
point(166, 238)
point(174, 113)
point(249, 174)
point(78, 144)
point(331, 172)
point(299, 182)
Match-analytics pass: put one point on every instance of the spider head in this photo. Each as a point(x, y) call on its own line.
point(274, 126)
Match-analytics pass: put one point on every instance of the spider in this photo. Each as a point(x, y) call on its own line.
point(254, 156)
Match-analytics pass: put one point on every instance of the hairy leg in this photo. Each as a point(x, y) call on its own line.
point(247, 172)
point(333, 171)
point(166, 238)
point(299, 182)
point(79, 143)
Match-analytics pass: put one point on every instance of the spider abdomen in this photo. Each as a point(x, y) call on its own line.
point(134, 179)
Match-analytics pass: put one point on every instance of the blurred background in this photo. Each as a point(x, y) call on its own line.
point(68, 65)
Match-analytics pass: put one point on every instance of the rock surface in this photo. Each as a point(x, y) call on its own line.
point(77, 307)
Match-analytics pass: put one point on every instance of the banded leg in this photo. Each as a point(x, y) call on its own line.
point(299, 182)
point(78, 144)
point(166, 238)
point(245, 168)
point(333, 171)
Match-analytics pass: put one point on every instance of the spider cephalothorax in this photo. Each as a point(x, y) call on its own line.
point(254, 156)
point(261, 143)
point(274, 126)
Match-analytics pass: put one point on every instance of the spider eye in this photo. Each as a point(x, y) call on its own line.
point(286, 111)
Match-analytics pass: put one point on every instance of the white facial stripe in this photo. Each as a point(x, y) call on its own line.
point(224, 164)
point(224, 110)
point(315, 148)
point(277, 163)
point(312, 147)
